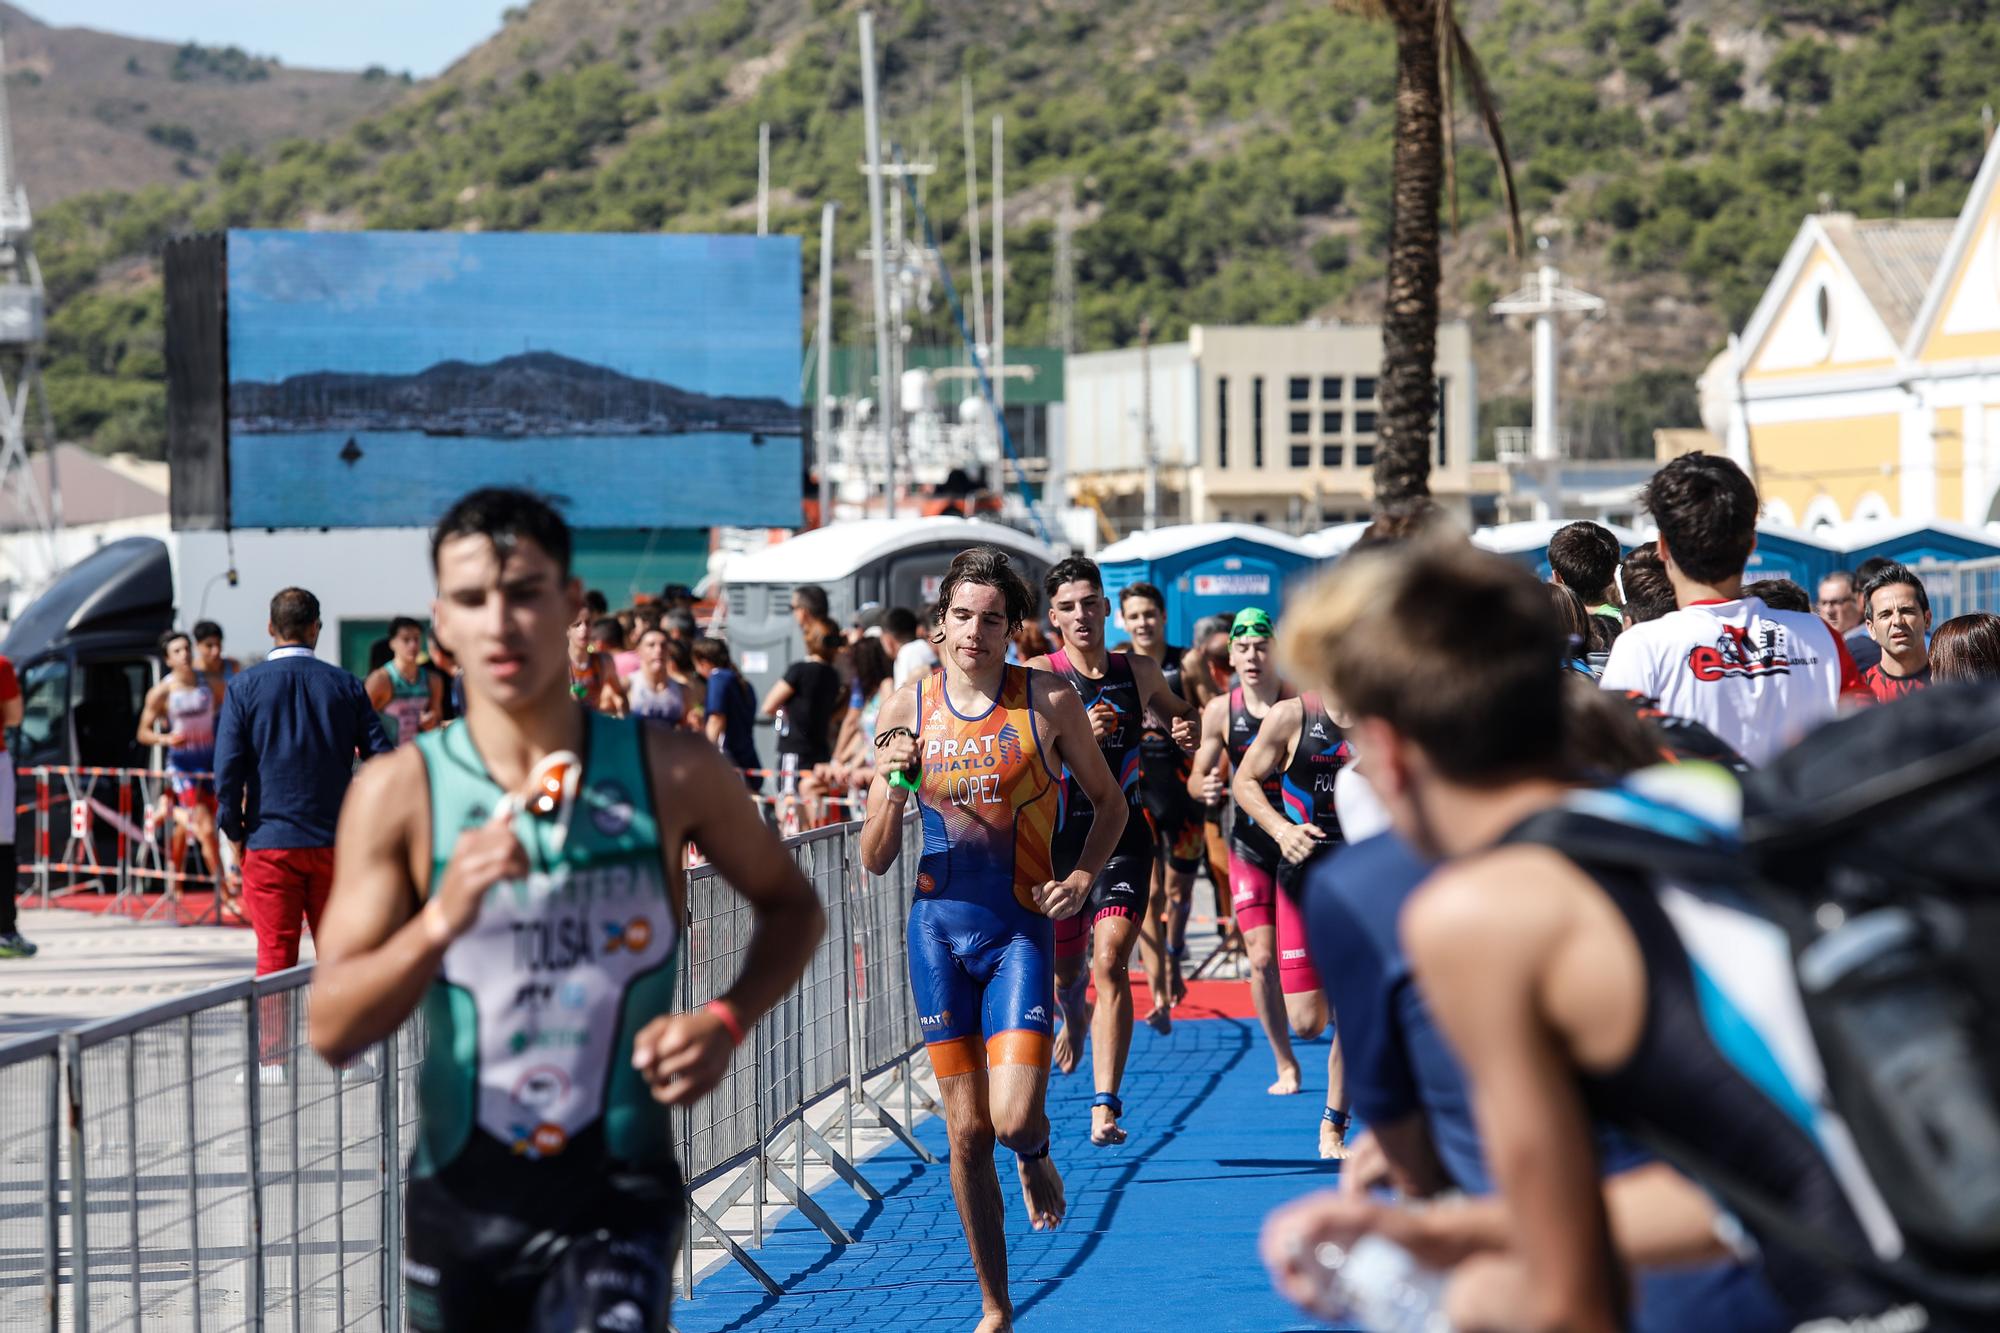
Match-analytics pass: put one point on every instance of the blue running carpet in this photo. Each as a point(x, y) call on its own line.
point(1161, 1231)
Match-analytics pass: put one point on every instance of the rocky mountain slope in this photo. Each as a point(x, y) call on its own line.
point(1224, 162)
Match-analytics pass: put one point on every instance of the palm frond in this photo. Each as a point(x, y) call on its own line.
point(1489, 115)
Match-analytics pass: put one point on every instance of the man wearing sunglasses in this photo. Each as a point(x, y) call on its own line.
point(532, 902)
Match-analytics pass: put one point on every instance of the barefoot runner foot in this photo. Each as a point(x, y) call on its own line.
point(1105, 1109)
point(1042, 1188)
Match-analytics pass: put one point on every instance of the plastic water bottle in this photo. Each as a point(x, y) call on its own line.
point(1380, 1285)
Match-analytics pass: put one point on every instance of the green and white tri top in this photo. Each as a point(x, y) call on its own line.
point(532, 1016)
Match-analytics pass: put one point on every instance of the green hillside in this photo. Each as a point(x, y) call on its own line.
point(1228, 164)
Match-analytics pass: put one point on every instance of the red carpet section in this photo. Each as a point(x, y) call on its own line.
point(193, 909)
point(1205, 999)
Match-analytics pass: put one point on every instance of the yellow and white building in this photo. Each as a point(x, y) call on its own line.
point(1867, 384)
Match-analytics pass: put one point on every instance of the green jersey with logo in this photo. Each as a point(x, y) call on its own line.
point(532, 1016)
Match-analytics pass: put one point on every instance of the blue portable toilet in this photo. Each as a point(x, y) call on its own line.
point(1205, 569)
point(1788, 553)
point(1909, 542)
point(1528, 541)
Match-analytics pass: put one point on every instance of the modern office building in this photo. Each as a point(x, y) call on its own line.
point(1265, 424)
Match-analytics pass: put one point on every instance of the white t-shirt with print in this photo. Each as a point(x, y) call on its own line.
point(913, 659)
point(1759, 679)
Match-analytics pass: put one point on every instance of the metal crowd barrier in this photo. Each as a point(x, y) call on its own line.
point(104, 831)
point(1957, 587)
point(194, 1165)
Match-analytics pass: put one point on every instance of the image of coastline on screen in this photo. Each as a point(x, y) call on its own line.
point(640, 380)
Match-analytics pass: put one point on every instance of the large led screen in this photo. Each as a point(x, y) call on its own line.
point(641, 381)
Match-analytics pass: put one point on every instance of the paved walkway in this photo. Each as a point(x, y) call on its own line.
point(93, 965)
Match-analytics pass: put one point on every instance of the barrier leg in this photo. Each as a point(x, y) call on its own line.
point(736, 1252)
point(804, 1202)
point(79, 1189)
point(392, 1189)
point(253, 1119)
point(895, 1126)
point(194, 1174)
point(52, 1193)
point(842, 1166)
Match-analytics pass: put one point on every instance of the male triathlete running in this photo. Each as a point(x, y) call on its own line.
point(543, 1192)
point(1210, 676)
point(1176, 819)
point(981, 744)
point(593, 675)
point(652, 690)
point(409, 698)
point(1228, 726)
point(1119, 689)
point(208, 658)
point(187, 701)
point(1301, 744)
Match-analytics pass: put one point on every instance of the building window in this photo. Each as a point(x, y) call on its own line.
point(1364, 455)
point(1330, 422)
point(1301, 389)
point(1364, 423)
point(1302, 423)
point(1258, 518)
point(1444, 452)
point(1329, 388)
point(1302, 455)
point(1329, 455)
point(1364, 389)
point(1222, 421)
point(1257, 422)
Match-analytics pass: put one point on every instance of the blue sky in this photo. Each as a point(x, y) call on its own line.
point(421, 36)
point(716, 314)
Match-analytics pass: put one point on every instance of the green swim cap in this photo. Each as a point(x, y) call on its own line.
point(1252, 622)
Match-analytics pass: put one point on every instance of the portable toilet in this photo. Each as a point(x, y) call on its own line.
point(1528, 541)
point(887, 561)
point(1910, 543)
point(1788, 553)
point(1205, 569)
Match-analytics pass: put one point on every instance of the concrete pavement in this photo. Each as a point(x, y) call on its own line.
point(94, 965)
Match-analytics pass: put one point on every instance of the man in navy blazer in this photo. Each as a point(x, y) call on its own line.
point(291, 730)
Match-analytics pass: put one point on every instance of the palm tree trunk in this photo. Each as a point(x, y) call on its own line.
point(1409, 327)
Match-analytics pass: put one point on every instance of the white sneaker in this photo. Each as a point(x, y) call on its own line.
point(268, 1076)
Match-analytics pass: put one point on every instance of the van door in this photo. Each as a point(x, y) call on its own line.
point(107, 712)
point(43, 736)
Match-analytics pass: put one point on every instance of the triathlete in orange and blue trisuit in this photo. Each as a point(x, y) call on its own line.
point(981, 954)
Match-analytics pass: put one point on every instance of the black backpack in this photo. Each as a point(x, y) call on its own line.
point(1875, 846)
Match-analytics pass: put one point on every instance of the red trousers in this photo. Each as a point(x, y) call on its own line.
point(283, 887)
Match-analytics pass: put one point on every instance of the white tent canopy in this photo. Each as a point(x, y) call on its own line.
point(1334, 542)
point(839, 550)
point(1534, 534)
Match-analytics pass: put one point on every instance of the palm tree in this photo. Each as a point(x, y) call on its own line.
point(1430, 46)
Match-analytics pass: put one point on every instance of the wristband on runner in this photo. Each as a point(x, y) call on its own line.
point(726, 1015)
point(435, 926)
